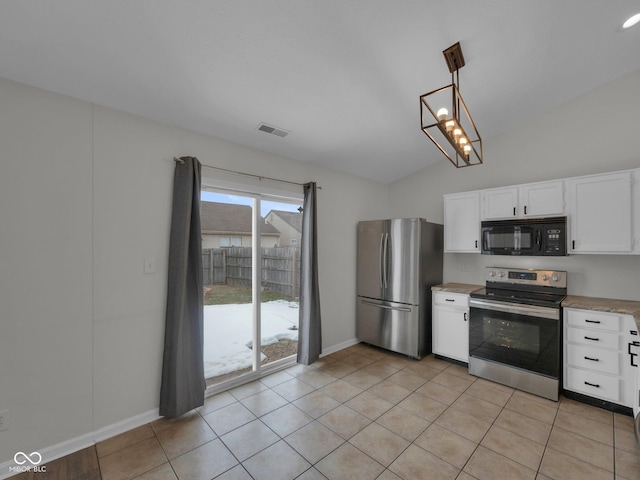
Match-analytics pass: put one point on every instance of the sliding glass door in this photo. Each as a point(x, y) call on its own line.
point(251, 271)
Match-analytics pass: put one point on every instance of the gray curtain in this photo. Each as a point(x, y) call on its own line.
point(310, 331)
point(183, 383)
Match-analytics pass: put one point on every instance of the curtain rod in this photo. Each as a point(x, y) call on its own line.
point(259, 177)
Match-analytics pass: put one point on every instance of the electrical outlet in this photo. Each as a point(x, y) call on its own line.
point(4, 420)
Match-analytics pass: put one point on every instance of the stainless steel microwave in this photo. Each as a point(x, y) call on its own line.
point(529, 236)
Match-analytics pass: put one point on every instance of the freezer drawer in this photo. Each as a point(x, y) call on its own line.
point(394, 326)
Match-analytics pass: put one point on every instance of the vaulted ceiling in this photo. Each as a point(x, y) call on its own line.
point(342, 76)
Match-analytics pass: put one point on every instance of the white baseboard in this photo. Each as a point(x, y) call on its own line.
point(125, 425)
point(338, 347)
point(83, 441)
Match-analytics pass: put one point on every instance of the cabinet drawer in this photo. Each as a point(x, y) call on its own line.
point(451, 299)
point(607, 361)
point(596, 385)
point(593, 319)
point(594, 338)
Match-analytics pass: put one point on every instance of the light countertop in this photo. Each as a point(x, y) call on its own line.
point(465, 288)
point(626, 307)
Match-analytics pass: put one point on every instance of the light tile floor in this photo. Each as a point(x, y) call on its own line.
point(363, 413)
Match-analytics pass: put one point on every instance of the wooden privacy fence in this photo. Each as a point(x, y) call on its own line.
point(232, 266)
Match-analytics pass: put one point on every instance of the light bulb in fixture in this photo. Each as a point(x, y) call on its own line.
point(449, 124)
point(463, 141)
point(631, 21)
point(442, 114)
point(457, 132)
point(467, 149)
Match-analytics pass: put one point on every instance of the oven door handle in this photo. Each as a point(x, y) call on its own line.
point(517, 308)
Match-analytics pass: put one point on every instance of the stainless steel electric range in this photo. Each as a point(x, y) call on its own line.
point(515, 328)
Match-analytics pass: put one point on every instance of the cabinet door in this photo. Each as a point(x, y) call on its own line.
point(451, 333)
point(462, 222)
point(499, 203)
point(600, 213)
point(542, 199)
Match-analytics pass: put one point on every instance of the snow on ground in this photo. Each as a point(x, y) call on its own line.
point(228, 333)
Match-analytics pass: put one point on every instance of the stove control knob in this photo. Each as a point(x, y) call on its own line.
point(544, 277)
point(501, 274)
point(555, 278)
point(492, 273)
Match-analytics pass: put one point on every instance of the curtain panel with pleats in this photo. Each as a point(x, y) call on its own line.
point(183, 382)
point(310, 329)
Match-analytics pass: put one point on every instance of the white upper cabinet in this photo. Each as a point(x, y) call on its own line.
point(462, 222)
point(530, 200)
point(542, 199)
point(600, 213)
point(499, 203)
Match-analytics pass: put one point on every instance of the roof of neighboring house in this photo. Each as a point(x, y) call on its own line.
point(292, 218)
point(227, 218)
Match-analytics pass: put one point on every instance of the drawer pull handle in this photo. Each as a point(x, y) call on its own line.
point(592, 321)
point(449, 300)
point(593, 339)
point(631, 354)
point(592, 359)
point(592, 384)
point(465, 316)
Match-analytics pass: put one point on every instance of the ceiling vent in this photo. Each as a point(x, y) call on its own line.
point(263, 127)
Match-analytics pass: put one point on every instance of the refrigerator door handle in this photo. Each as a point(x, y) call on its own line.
point(380, 261)
point(386, 307)
point(385, 256)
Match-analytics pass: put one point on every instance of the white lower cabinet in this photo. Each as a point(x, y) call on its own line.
point(451, 325)
point(600, 355)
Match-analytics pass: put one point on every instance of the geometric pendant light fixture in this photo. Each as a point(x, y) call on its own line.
point(446, 120)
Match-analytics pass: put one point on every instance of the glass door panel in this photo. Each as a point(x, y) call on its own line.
point(280, 279)
point(227, 260)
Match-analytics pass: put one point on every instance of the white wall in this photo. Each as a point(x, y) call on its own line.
point(45, 268)
point(595, 133)
point(85, 197)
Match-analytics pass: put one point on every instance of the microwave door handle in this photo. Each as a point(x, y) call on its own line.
point(539, 240)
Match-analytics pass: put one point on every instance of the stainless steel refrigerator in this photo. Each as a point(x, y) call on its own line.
point(398, 262)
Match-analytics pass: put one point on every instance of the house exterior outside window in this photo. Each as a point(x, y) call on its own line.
point(228, 225)
point(230, 241)
point(289, 224)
